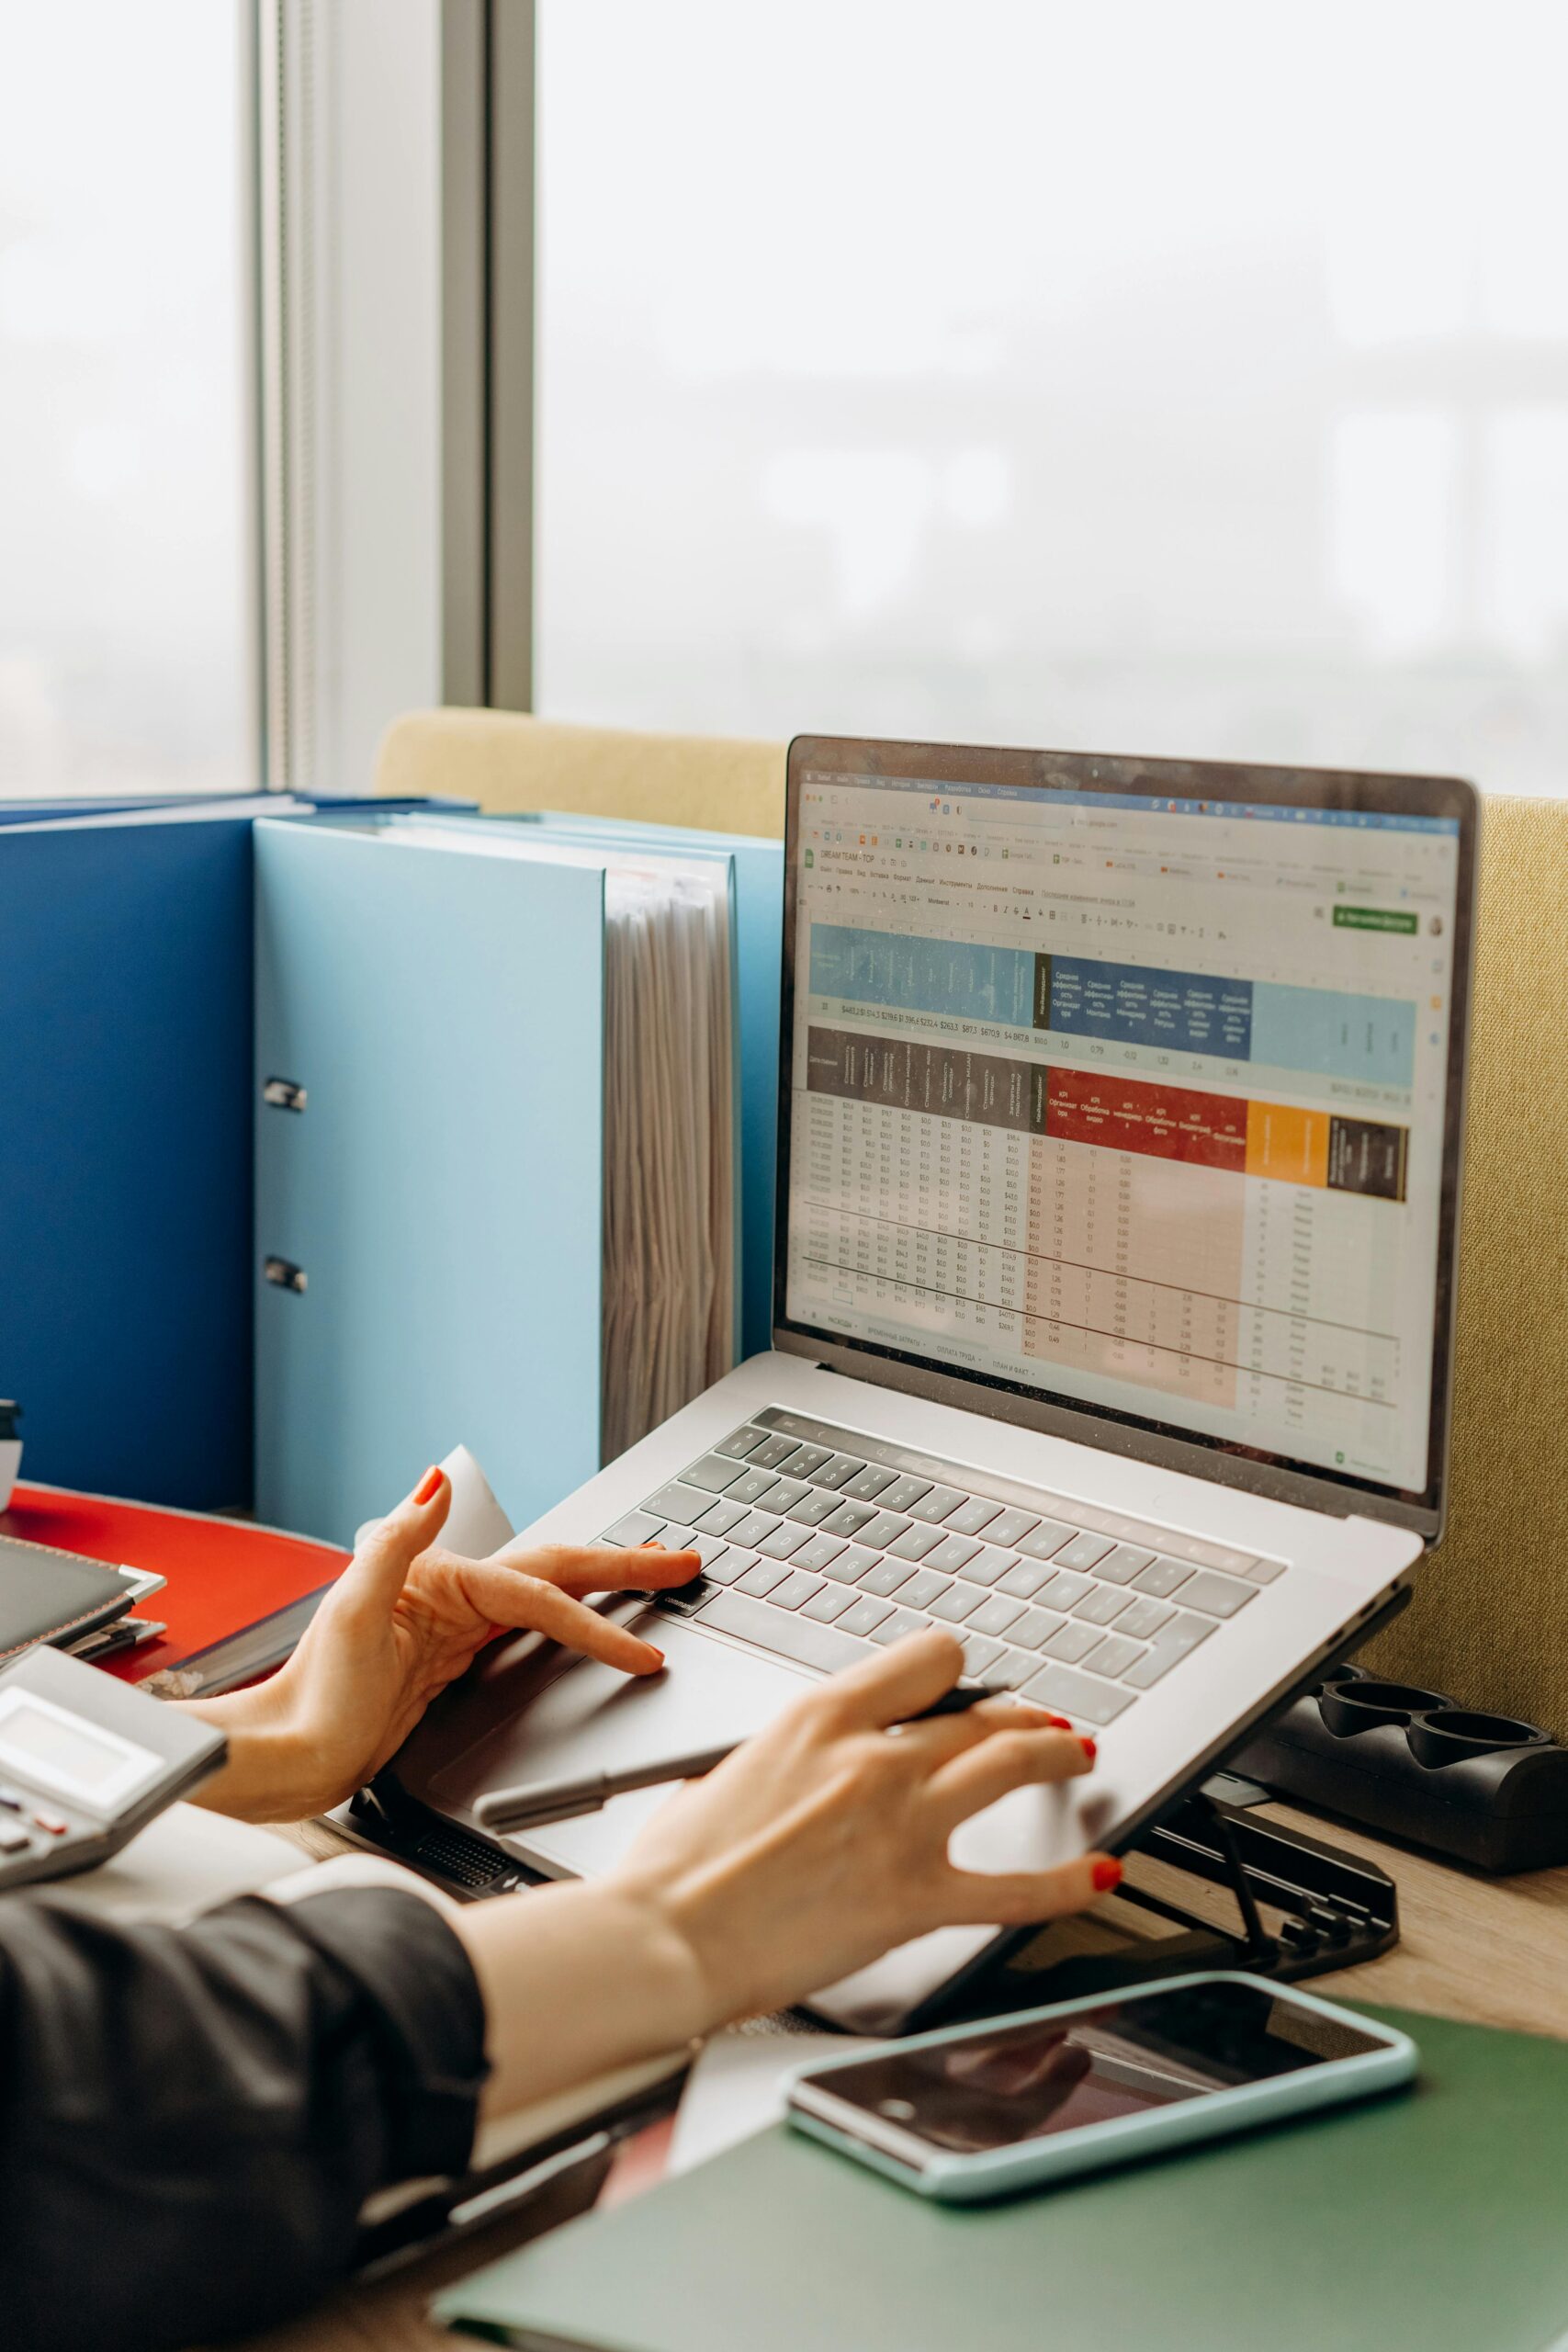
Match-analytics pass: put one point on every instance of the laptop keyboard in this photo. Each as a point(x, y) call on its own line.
point(818, 1544)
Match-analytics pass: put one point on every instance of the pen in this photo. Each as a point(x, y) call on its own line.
point(128, 1633)
point(533, 1803)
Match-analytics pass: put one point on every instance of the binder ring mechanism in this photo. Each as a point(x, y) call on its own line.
point(284, 1095)
point(284, 1273)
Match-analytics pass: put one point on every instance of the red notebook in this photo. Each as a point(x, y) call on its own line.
point(223, 1573)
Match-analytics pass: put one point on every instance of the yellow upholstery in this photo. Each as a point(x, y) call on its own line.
point(1490, 1617)
point(506, 762)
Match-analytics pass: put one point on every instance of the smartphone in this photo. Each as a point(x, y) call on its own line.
point(984, 2110)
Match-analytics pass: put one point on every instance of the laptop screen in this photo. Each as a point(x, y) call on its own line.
point(1130, 1097)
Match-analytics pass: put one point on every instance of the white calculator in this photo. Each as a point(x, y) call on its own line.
point(85, 1761)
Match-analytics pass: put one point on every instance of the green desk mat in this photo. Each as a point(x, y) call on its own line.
point(1435, 2220)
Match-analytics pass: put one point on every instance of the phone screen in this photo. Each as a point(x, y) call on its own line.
point(1124, 2058)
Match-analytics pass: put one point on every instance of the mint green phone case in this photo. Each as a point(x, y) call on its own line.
point(1095, 2147)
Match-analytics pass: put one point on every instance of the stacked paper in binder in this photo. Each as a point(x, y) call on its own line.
point(531, 1057)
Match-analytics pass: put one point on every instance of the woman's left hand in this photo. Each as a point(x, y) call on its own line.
point(402, 1621)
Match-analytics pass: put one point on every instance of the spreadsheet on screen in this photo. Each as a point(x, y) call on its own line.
point(1137, 1102)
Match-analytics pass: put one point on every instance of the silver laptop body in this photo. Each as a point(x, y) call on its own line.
point(1119, 1121)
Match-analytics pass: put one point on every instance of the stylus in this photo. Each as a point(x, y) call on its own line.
point(530, 1806)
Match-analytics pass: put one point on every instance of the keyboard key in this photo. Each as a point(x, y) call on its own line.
point(830, 1602)
point(979, 1651)
point(864, 1616)
point(1115, 1657)
point(1073, 1641)
point(786, 1492)
point(805, 1460)
point(1035, 1628)
point(1216, 1596)
point(1121, 1566)
point(894, 1628)
point(990, 1566)
point(1265, 1571)
point(637, 1527)
point(795, 1590)
point(1168, 1649)
point(730, 1566)
point(848, 1518)
point(956, 1603)
point(867, 1483)
point(952, 1553)
point(923, 1589)
point(762, 1578)
point(753, 1528)
point(775, 1451)
point(1143, 1618)
point(852, 1564)
point(681, 1504)
point(887, 1576)
point(752, 1485)
point(1010, 1671)
point(994, 1615)
point(1162, 1576)
point(1041, 1541)
point(720, 1517)
point(706, 1547)
point(1025, 1580)
point(972, 1516)
point(884, 1529)
point(1083, 1551)
point(784, 1634)
point(1078, 1694)
point(742, 1443)
point(1099, 1607)
point(902, 1492)
point(714, 1473)
point(818, 1551)
point(786, 1539)
point(816, 1504)
point(915, 1543)
point(936, 1502)
point(1010, 1526)
point(838, 1470)
point(1064, 1592)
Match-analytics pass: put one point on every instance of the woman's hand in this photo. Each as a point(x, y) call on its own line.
point(402, 1621)
point(817, 1846)
point(822, 1843)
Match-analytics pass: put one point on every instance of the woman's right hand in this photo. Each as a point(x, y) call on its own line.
point(822, 1842)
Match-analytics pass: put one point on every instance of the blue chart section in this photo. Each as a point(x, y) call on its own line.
point(1333, 1035)
point(1327, 1032)
point(950, 975)
point(1137, 1004)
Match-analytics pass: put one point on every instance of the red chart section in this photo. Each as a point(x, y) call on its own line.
point(1166, 1122)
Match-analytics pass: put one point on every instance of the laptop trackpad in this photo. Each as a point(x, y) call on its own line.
point(592, 1719)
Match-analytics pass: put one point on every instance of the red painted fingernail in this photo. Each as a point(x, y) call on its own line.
point(1089, 1749)
point(1107, 1874)
point(428, 1486)
point(1058, 1722)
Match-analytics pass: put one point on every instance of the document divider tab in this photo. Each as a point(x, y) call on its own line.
point(1430, 2218)
point(444, 1013)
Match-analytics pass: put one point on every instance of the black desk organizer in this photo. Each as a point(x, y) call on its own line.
point(1419, 1766)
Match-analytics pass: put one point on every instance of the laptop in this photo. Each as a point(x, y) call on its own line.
point(1121, 1104)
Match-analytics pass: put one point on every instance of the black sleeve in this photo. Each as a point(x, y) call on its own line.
point(191, 2118)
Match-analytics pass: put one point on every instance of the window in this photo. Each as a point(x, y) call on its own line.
point(127, 599)
point(1185, 379)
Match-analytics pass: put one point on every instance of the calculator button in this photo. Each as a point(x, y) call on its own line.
point(14, 1839)
point(50, 1824)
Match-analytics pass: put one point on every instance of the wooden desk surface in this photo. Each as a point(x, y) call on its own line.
point(1494, 1952)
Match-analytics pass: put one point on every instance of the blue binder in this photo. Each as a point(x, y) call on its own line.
point(441, 1193)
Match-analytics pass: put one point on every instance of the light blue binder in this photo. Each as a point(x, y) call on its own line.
point(431, 1218)
point(440, 1193)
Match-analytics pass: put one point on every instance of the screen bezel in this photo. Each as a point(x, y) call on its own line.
point(1277, 1476)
